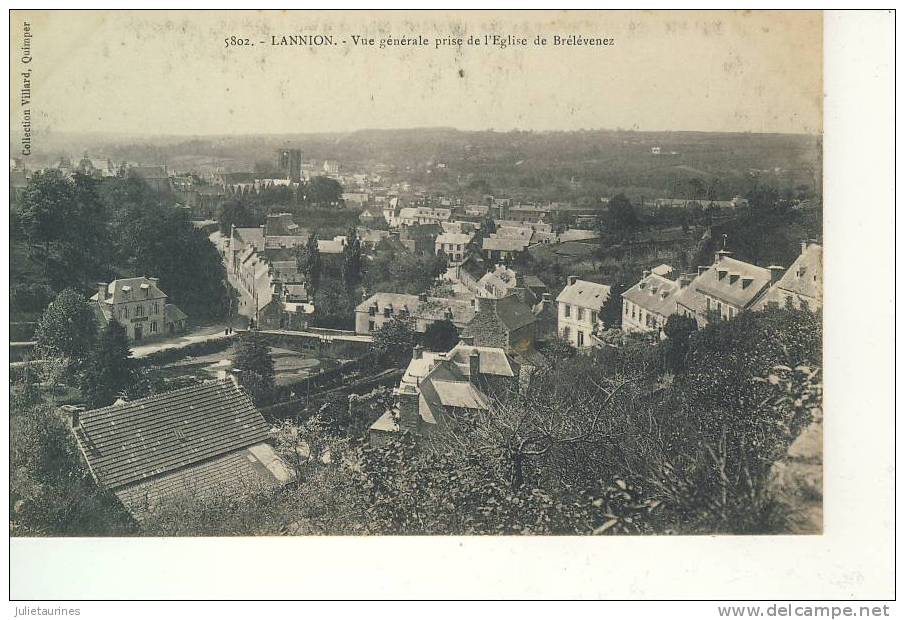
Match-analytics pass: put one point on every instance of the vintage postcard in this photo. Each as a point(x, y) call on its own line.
point(416, 273)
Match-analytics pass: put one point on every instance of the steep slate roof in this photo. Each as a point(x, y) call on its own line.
point(515, 232)
point(142, 439)
point(514, 313)
point(504, 245)
point(805, 276)
point(491, 360)
point(131, 289)
point(455, 238)
point(242, 470)
point(725, 280)
point(433, 309)
point(252, 236)
point(655, 294)
point(585, 294)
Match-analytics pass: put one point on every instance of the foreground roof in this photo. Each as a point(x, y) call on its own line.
point(150, 437)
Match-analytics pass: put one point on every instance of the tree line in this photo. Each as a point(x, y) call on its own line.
point(78, 231)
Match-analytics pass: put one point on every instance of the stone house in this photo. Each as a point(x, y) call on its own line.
point(139, 306)
point(507, 323)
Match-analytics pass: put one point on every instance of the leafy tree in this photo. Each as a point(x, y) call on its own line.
point(309, 263)
point(488, 225)
point(109, 370)
point(65, 225)
point(611, 308)
point(67, 328)
point(51, 491)
point(620, 215)
point(323, 192)
point(235, 212)
point(334, 307)
point(440, 336)
point(256, 371)
point(394, 340)
point(678, 330)
point(150, 237)
point(351, 267)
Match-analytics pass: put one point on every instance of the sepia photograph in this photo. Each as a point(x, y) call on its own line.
point(416, 273)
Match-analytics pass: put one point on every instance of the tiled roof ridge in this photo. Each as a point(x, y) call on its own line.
point(176, 392)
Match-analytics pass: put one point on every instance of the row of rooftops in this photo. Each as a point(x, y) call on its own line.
point(730, 281)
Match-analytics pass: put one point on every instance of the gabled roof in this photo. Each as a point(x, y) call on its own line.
point(142, 439)
point(585, 294)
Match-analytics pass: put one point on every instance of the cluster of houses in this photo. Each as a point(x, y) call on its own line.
point(261, 262)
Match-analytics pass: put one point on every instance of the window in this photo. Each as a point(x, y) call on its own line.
point(153, 327)
point(139, 310)
point(626, 308)
point(386, 312)
point(565, 333)
point(581, 314)
point(370, 326)
point(580, 335)
point(568, 310)
point(593, 317)
point(156, 308)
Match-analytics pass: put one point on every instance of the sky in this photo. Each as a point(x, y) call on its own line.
point(171, 73)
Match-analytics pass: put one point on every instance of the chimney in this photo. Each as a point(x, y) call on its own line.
point(154, 281)
point(775, 273)
point(546, 300)
point(721, 255)
point(73, 412)
point(417, 352)
point(572, 280)
point(466, 339)
point(474, 366)
point(234, 376)
point(645, 273)
point(407, 405)
point(702, 269)
point(101, 291)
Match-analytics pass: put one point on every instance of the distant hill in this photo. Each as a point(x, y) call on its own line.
point(549, 164)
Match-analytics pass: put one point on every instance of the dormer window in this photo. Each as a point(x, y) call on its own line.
point(721, 273)
point(733, 278)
